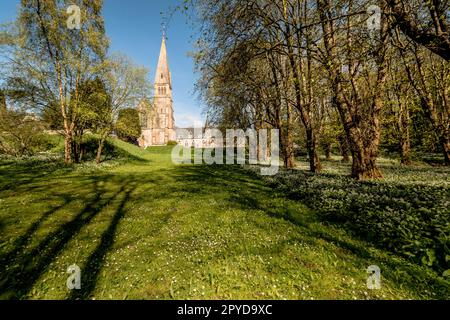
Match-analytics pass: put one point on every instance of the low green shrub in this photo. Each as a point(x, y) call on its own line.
point(21, 134)
point(113, 149)
point(172, 143)
point(412, 220)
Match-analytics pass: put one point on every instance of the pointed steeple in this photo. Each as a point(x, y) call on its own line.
point(162, 71)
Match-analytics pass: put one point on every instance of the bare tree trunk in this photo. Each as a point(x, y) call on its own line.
point(405, 142)
point(343, 146)
point(101, 144)
point(311, 144)
point(286, 140)
point(363, 140)
point(68, 130)
point(327, 149)
point(364, 163)
point(445, 144)
point(362, 127)
point(77, 145)
point(405, 149)
point(295, 69)
point(441, 128)
point(68, 147)
point(365, 167)
point(289, 147)
point(283, 141)
point(426, 91)
point(68, 138)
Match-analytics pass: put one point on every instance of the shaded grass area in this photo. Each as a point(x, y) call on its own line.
point(147, 229)
point(407, 212)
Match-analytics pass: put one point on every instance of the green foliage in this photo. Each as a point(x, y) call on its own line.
point(128, 126)
point(172, 143)
point(90, 145)
point(407, 217)
point(21, 134)
point(95, 107)
point(49, 63)
point(51, 116)
point(113, 150)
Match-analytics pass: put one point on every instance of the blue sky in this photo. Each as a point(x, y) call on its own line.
point(134, 28)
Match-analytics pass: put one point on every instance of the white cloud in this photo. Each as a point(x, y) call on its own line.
point(188, 115)
point(189, 120)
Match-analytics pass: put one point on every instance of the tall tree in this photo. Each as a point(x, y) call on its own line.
point(400, 101)
point(51, 61)
point(427, 22)
point(128, 127)
point(95, 113)
point(430, 78)
point(281, 62)
point(267, 29)
point(126, 84)
point(357, 70)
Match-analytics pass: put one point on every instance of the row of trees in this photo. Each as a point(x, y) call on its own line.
point(66, 75)
point(320, 73)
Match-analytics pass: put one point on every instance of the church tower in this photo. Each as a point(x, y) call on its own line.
point(158, 123)
point(163, 102)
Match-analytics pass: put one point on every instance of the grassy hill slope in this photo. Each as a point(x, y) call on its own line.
point(148, 229)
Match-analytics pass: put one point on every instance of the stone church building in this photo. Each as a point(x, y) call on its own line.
point(157, 119)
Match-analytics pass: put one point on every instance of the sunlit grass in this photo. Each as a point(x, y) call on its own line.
point(148, 229)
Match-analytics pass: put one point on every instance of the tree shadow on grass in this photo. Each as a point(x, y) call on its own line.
point(16, 173)
point(414, 277)
point(18, 278)
point(21, 242)
point(19, 173)
point(201, 179)
point(93, 265)
point(245, 191)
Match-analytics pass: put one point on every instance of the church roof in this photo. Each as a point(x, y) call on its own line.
point(162, 71)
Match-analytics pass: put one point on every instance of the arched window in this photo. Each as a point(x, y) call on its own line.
point(143, 120)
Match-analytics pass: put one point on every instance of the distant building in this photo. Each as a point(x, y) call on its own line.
point(197, 138)
point(156, 117)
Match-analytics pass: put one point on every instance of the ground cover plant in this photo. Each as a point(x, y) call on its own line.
point(407, 212)
point(148, 229)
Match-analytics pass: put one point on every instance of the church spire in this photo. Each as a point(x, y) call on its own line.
point(162, 71)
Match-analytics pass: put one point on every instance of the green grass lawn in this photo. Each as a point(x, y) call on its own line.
point(148, 229)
